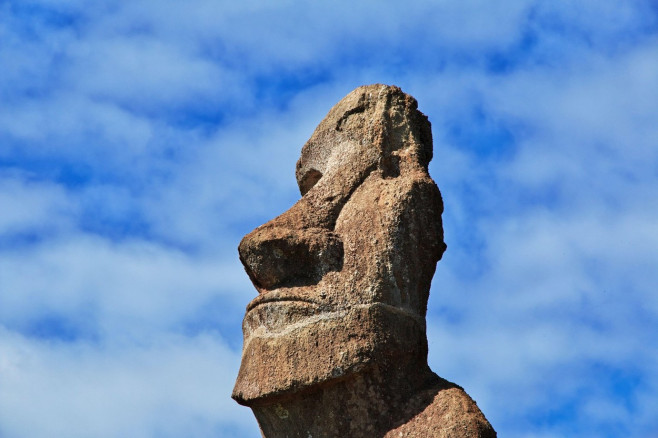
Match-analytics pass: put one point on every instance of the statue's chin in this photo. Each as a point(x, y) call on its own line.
point(318, 348)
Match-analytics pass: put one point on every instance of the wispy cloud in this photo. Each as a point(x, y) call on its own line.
point(174, 387)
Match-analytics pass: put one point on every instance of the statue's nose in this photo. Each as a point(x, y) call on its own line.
point(280, 257)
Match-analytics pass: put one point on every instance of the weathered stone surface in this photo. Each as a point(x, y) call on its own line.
point(335, 343)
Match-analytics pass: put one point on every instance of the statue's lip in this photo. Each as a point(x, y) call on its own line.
point(273, 297)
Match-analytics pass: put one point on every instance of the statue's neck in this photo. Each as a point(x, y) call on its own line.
point(365, 405)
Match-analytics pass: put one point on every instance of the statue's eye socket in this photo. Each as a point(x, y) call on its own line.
point(309, 179)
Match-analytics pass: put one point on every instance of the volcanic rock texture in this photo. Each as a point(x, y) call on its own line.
point(335, 343)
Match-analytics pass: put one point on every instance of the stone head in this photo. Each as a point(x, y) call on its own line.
point(344, 275)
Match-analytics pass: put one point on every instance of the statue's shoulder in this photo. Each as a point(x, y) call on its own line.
point(445, 411)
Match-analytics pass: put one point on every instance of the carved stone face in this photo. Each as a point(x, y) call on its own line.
point(343, 276)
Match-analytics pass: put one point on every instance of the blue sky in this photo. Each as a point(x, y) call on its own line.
point(139, 141)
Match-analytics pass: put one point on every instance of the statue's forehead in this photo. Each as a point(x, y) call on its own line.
point(338, 136)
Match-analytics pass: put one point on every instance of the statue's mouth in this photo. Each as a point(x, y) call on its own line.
point(274, 297)
point(277, 310)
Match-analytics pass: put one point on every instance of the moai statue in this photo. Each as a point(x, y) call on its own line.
point(335, 342)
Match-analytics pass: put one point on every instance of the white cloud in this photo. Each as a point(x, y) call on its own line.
point(144, 73)
point(130, 291)
point(177, 387)
point(29, 207)
point(70, 127)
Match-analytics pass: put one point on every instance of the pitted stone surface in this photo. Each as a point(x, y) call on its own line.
point(335, 343)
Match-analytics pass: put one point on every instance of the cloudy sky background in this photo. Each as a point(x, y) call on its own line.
point(140, 140)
